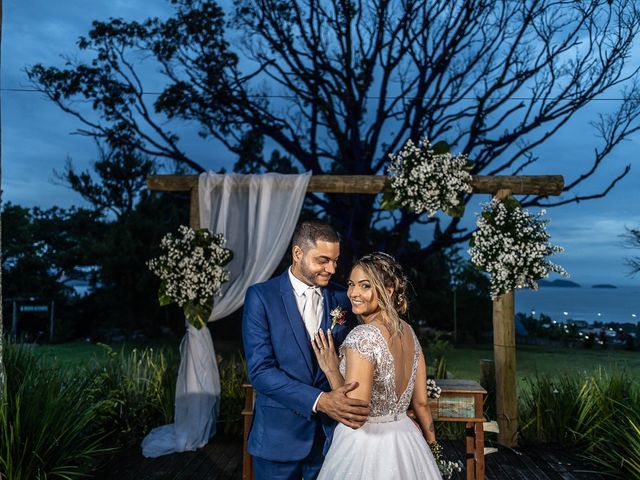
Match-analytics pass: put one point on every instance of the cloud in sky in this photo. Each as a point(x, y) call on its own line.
point(37, 138)
point(596, 243)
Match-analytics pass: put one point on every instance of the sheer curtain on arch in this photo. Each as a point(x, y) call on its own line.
point(257, 215)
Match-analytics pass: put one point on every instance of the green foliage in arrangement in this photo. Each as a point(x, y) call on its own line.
point(597, 414)
point(134, 393)
point(232, 376)
point(39, 438)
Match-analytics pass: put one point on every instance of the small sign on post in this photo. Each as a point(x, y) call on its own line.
point(33, 308)
point(28, 306)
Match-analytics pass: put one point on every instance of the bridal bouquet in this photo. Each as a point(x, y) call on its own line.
point(426, 178)
point(512, 245)
point(191, 270)
point(446, 467)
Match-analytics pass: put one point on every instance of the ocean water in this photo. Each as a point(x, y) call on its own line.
point(620, 304)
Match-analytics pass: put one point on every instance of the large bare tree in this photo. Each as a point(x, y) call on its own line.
point(337, 86)
point(632, 240)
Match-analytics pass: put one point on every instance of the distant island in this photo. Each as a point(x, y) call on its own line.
point(558, 283)
point(604, 285)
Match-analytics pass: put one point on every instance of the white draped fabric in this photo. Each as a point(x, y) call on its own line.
point(197, 399)
point(257, 215)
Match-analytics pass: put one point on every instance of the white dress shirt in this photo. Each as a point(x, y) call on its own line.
point(299, 287)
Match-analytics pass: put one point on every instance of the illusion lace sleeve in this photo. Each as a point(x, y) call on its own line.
point(365, 340)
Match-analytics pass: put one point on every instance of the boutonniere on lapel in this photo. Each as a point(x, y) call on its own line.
point(338, 316)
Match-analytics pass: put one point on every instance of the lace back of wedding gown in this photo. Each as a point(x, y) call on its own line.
point(369, 342)
point(388, 446)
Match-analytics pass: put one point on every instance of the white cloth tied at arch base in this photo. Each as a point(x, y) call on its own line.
point(257, 215)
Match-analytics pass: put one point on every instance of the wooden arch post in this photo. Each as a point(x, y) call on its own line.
point(504, 343)
point(504, 353)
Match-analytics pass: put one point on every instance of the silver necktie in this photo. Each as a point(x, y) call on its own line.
point(310, 311)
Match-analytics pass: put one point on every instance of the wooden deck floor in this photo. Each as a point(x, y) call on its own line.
point(221, 459)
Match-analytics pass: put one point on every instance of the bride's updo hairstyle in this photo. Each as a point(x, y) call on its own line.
point(386, 273)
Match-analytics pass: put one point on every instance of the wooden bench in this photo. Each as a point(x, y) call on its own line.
point(460, 401)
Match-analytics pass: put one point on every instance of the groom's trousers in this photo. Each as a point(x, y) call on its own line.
point(307, 468)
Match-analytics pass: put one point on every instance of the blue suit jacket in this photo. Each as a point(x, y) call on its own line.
point(283, 369)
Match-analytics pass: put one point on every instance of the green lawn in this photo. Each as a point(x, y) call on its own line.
point(70, 354)
point(75, 354)
point(461, 362)
point(532, 360)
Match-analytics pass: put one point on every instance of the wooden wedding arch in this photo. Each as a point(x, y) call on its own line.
point(504, 340)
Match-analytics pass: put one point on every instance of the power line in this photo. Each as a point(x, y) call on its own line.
point(291, 97)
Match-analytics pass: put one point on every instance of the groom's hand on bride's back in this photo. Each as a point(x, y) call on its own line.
point(350, 411)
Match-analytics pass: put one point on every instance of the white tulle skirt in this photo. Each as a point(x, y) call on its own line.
point(384, 448)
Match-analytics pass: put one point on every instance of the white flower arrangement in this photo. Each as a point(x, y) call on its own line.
point(512, 245)
point(433, 390)
point(426, 178)
point(191, 271)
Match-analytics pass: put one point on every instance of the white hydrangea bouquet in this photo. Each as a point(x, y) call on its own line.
point(191, 271)
point(426, 178)
point(512, 245)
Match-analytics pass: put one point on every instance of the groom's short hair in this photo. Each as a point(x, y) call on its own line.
point(309, 232)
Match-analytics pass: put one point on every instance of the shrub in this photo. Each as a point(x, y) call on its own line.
point(438, 368)
point(39, 438)
point(134, 392)
point(548, 408)
point(597, 413)
point(232, 376)
point(617, 450)
point(57, 422)
point(435, 353)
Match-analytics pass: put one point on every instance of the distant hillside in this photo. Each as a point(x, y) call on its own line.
point(558, 283)
point(604, 285)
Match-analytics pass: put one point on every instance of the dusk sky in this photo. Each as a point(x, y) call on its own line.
point(36, 139)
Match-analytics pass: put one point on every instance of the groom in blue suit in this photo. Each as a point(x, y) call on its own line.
point(295, 410)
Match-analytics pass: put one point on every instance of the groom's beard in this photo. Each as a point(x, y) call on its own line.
point(313, 277)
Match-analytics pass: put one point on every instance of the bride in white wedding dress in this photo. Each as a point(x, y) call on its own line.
point(384, 356)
